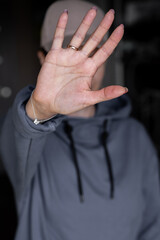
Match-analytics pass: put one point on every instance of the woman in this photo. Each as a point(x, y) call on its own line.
point(81, 168)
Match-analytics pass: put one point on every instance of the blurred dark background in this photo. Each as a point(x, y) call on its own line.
point(135, 64)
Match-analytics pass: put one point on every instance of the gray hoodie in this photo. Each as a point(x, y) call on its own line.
point(82, 179)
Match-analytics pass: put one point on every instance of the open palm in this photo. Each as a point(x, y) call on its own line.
point(65, 80)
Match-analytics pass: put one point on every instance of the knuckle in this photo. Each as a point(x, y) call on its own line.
point(95, 38)
point(103, 26)
point(113, 42)
point(58, 37)
point(79, 35)
point(60, 27)
point(105, 51)
point(85, 23)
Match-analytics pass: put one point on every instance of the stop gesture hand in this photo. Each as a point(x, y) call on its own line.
point(64, 84)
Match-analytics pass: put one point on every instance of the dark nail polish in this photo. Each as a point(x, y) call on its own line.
point(94, 7)
point(65, 10)
point(112, 10)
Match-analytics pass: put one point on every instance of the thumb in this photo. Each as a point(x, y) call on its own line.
point(106, 93)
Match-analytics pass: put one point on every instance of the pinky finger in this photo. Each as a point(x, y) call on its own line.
point(60, 29)
point(108, 47)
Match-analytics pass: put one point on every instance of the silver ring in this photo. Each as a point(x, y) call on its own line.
point(72, 47)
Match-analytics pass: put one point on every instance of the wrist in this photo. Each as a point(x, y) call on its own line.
point(37, 111)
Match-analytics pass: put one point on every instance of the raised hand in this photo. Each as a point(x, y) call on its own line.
point(64, 84)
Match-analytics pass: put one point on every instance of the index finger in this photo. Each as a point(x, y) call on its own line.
point(60, 29)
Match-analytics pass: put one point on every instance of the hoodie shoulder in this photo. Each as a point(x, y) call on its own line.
point(137, 132)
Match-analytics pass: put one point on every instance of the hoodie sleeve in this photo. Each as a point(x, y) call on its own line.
point(151, 218)
point(21, 142)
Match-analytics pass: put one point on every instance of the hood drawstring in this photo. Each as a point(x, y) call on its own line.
point(75, 160)
point(68, 129)
point(108, 160)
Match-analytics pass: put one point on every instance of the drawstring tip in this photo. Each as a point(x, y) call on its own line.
point(81, 198)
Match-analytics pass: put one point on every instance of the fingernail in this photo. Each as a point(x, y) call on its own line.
point(112, 10)
point(65, 10)
point(94, 7)
point(126, 89)
point(122, 25)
